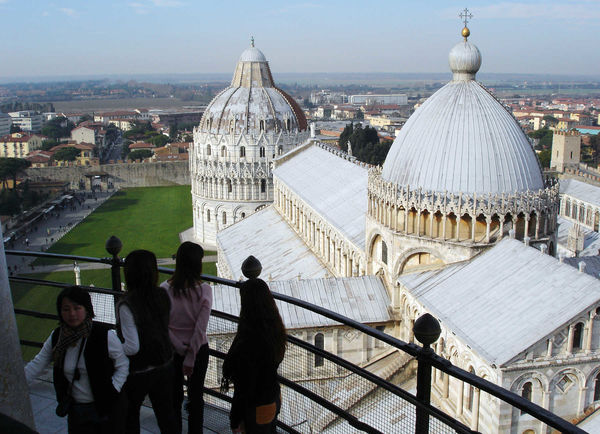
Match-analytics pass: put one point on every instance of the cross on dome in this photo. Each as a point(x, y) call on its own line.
point(465, 15)
point(252, 41)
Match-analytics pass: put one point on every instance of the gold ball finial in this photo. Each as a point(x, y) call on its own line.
point(465, 32)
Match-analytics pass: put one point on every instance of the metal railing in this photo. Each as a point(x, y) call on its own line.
point(343, 397)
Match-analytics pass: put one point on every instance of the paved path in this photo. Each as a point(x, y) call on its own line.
point(46, 231)
point(94, 266)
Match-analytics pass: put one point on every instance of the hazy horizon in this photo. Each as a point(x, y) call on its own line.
point(99, 38)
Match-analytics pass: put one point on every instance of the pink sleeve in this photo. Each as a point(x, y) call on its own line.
point(178, 345)
point(199, 337)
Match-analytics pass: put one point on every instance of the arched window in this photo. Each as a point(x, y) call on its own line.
point(262, 125)
point(229, 186)
point(526, 392)
point(597, 387)
point(224, 218)
point(384, 252)
point(280, 150)
point(288, 124)
point(320, 344)
point(578, 336)
point(208, 215)
point(470, 393)
point(242, 151)
point(568, 208)
point(262, 151)
point(223, 151)
point(243, 214)
point(207, 149)
point(263, 185)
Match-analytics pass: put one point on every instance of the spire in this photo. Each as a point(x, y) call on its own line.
point(465, 16)
point(252, 41)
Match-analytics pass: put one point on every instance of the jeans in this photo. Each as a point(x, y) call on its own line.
point(157, 384)
point(195, 386)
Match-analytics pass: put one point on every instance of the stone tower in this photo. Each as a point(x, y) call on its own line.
point(566, 150)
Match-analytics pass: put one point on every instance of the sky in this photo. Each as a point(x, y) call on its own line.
point(93, 37)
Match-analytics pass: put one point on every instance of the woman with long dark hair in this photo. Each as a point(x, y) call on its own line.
point(191, 302)
point(90, 367)
point(143, 324)
point(252, 361)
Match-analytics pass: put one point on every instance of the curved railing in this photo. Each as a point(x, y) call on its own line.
point(338, 397)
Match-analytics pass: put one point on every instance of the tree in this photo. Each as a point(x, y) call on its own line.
point(544, 157)
point(159, 140)
point(58, 127)
point(85, 117)
point(66, 154)
point(550, 120)
point(49, 144)
point(140, 154)
point(14, 128)
point(343, 140)
point(11, 168)
point(544, 137)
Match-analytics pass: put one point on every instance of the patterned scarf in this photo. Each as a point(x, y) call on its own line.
point(69, 336)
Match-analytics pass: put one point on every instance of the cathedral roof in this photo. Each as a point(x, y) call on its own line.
point(267, 236)
point(581, 190)
point(462, 139)
point(335, 188)
point(363, 299)
point(252, 103)
point(522, 297)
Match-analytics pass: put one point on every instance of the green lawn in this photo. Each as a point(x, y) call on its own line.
point(142, 218)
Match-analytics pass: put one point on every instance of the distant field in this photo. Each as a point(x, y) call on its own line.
point(121, 104)
point(142, 218)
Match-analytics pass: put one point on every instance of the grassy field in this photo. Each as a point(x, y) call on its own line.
point(142, 218)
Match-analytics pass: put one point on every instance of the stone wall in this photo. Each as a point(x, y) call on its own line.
point(121, 175)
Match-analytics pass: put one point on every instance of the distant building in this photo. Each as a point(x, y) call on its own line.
point(27, 120)
point(172, 152)
point(85, 157)
point(39, 158)
point(566, 150)
point(5, 123)
point(177, 117)
point(399, 98)
point(18, 145)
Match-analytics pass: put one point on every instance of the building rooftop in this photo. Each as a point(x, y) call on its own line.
point(512, 292)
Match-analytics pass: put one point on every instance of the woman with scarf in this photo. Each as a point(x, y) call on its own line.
point(252, 361)
point(90, 366)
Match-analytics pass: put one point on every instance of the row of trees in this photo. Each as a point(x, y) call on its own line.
point(365, 143)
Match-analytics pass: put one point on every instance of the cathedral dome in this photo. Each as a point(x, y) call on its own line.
point(252, 104)
point(462, 139)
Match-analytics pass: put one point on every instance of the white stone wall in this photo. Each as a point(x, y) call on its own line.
point(231, 176)
point(562, 370)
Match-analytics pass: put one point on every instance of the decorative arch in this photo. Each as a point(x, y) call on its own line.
point(401, 262)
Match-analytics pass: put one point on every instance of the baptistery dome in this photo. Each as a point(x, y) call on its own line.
point(462, 139)
point(243, 129)
point(252, 103)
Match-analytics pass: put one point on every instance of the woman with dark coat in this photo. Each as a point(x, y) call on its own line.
point(89, 366)
point(143, 325)
point(252, 361)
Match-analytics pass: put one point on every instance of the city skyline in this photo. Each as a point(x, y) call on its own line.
point(184, 37)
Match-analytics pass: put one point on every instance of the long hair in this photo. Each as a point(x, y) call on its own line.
point(77, 295)
point(188, 268)
point(141, 279)
point(260, 319)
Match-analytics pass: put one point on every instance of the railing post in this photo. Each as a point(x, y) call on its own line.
point(251, 267)
point(114, 246)
point(427, 330)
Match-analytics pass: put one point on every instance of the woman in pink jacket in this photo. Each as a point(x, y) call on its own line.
point(191, 303)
